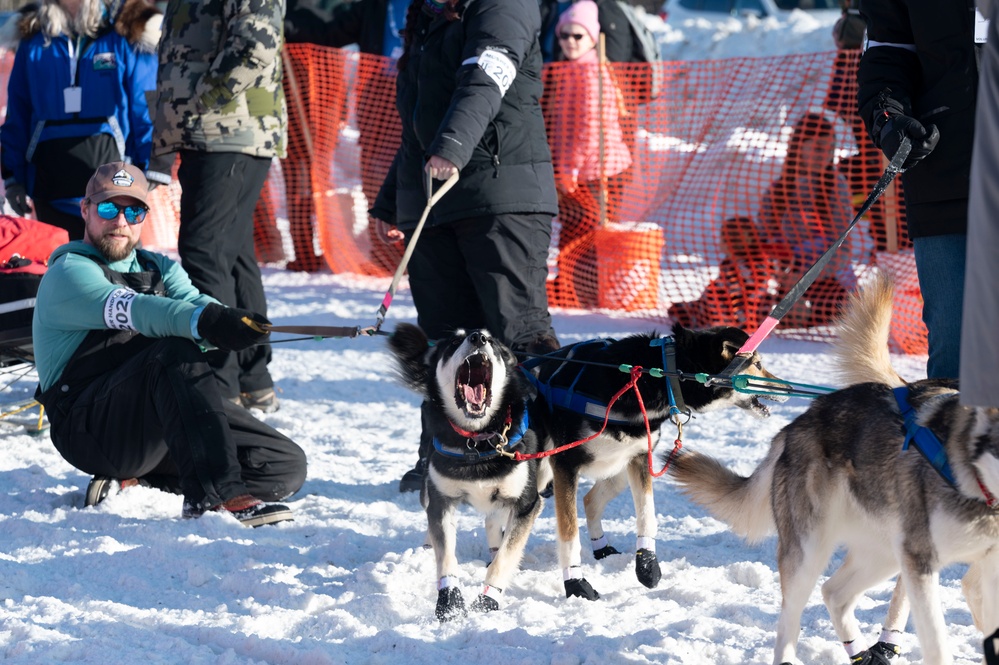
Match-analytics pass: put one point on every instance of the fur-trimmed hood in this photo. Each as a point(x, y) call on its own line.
point(140, 23)
point(137, 21)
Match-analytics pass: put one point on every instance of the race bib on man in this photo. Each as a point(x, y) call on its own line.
point(118, 309)
point(498, 67)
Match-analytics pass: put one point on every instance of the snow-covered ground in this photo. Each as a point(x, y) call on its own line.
point(349, 581)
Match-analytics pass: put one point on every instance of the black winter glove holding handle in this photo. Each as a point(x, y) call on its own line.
point(891, 125)
point(225, 328)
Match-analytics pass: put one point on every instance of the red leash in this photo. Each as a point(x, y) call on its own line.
point(636, 373)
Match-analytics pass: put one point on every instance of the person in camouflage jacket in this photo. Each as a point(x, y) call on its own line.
point(221, 107)
point(220, 78)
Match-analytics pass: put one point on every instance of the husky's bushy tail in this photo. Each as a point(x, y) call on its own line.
point(860, 350)
point(742, 503)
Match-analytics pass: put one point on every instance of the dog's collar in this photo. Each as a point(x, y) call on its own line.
point(929, 445)
point(505, 440)
point(485, 436)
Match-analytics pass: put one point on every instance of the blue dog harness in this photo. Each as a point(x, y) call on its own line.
point(566, 396)
point(471, 454)
point(925, 440)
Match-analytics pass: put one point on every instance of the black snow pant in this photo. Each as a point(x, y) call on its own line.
point(160, 416)
point(218, 196)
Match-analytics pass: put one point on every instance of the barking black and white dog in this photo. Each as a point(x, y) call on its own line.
point(479, 416)
point(839, 475)
point(577, 383)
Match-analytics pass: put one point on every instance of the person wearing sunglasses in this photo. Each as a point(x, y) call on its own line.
point(118, 333)
point(589, 153)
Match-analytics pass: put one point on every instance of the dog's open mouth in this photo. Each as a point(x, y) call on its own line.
point(761, 409)
point(471, 390)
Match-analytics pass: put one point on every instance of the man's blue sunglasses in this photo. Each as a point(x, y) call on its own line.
point(133, 214)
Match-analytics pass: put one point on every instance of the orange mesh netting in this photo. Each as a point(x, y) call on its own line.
point(703, 202)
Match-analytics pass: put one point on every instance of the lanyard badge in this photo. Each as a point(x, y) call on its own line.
point(72, 96)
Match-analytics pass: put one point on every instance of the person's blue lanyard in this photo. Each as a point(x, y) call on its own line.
point(75, 51)
point(72, 95)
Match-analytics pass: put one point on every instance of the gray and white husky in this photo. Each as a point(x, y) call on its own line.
point(838, 476)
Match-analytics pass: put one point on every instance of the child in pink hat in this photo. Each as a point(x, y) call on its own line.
point(589, 154)
point(582, 15)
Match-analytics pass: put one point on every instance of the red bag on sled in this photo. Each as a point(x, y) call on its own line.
point(25, 246)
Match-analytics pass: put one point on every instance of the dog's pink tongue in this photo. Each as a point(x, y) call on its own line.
point(475, 394)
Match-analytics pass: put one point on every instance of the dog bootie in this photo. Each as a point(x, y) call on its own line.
point(647, 568)
point(450, 604)
point(581, 589)
point(601, 548)
point(484, 603)
point(879, 654)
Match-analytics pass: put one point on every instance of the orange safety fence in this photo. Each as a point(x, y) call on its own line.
point(703, 204)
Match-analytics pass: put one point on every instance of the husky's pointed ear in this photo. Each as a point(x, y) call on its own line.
point(408, 341)
point(681, 334)
point(410, 346)
point(729, 350)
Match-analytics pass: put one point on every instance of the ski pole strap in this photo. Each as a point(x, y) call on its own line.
point(432, 198)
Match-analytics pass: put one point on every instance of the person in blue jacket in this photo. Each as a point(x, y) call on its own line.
point(116, 333)
point(77, 98)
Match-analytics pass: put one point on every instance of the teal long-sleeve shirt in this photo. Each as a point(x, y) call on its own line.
point(74, 292)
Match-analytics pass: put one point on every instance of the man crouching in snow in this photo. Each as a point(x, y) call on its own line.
point(116, 334)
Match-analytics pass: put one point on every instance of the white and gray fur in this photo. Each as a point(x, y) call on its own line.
point(837, 476)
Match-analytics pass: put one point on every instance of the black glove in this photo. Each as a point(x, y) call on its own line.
point(891, 126)
point(225, 327)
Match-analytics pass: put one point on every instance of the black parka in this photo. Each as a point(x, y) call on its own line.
point(451, 99)
point(931, 69)
point(360, 22)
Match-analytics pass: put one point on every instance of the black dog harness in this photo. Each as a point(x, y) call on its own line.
point(559, 389)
